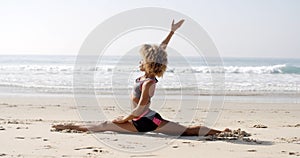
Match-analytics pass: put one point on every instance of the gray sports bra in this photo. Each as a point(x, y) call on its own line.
point(137, 88)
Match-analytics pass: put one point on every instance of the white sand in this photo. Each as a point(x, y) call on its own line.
point(25, 124)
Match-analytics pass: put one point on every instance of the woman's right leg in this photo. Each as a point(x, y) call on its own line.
point(172, 128)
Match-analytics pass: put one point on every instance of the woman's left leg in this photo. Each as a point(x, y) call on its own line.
point(127, 127)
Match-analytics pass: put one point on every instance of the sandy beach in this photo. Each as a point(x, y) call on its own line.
point(25, 131)
point(229, 68)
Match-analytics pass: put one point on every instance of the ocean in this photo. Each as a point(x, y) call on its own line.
point(190, 76)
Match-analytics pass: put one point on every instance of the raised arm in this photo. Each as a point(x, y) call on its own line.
point(174, 27)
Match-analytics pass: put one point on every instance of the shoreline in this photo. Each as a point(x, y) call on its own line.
point(275, 98)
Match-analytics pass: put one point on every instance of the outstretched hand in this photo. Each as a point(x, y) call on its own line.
point(174, 27)
point(119, 120)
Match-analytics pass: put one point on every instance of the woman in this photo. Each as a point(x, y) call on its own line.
point(142, 118)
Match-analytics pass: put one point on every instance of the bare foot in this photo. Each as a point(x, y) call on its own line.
point(61, 127)
point(227, 130)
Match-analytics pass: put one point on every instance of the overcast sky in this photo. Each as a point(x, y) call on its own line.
point(239, 28)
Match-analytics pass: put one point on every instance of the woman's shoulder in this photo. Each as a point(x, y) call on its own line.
point(147, 83)
point(152, 79)
point(142, 79)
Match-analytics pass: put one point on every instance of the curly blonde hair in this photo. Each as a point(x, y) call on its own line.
point(155, 59)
